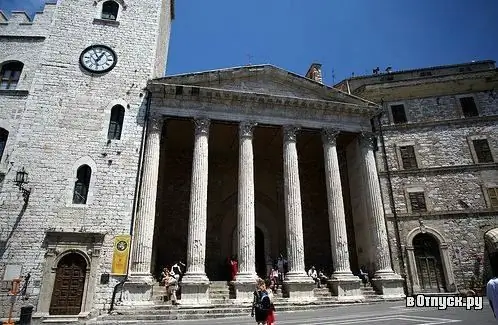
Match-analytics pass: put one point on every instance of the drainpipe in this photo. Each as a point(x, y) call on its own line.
point(138, 181)
point(392, 203)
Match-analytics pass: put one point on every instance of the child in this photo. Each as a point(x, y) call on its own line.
point(270, 320)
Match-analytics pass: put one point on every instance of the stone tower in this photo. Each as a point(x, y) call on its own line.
point(73, 120)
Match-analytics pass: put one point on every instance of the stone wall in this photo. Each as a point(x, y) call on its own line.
point(64, 124)
point(448, 174)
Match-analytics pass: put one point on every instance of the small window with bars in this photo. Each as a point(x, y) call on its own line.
point(408, 158)
point(10, 74)
point(482, 150)
point(493, 197)
point(469, 107)
point(417, 201)
point(399, 114)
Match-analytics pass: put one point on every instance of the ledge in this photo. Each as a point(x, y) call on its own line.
point(458, 121)
point(441, 170)
point(100, 21)
point(446, 214)
point(14, 92)
point(26, 37)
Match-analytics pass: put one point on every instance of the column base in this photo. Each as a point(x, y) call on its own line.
point(195, 289)
point(345, 286)
point(299, 287)
point(244, 291)
point(388, 284)
point(137, 290)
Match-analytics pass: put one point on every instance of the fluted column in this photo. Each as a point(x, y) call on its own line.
point(143, 234)
point(337, 218)
point(197, 223)
point(246, 219)
point(292, 198)
point(374, 207)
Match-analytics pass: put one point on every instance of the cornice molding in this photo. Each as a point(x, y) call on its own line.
point(459, 121)
point(445, 214)
point(214, 95)
point(440, 170)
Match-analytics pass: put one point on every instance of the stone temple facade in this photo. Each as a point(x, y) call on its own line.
point(251, 161)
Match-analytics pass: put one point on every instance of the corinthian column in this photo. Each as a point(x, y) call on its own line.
point(195, 280)
point(337, 218)
point(374, 207)
point(292, 198)
point(343, 283)
point(143, 234)
point(385, 280)
point(246, 221)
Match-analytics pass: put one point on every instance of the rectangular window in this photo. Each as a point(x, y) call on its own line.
point(417, 201)
point(408, 158)
point(469, 107)
point(493, 197)
point(483, 152)
point(398, 113)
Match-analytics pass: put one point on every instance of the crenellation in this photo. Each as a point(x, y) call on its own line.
point(20, 25)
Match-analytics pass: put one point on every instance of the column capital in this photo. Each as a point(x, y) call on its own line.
point(155, 123)
point(367, 139)
point(290, 132)
point(329, 136)
point(202, 126)
point(246, 129)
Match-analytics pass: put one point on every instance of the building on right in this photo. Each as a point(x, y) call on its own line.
point(437, 158)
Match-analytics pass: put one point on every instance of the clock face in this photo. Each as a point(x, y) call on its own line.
point(98, 59)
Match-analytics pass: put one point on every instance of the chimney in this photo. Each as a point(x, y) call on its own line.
point(315, 72)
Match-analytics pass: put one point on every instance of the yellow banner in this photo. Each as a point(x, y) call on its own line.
point(121, 253)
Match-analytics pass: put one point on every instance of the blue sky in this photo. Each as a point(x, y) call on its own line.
point(346, 36)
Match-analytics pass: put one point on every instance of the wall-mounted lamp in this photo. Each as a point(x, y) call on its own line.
point(22, 179)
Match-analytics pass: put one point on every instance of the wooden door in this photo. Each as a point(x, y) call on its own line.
point(69, 286)
point(429, 266)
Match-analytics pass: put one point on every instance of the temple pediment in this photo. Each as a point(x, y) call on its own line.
point(265, 80)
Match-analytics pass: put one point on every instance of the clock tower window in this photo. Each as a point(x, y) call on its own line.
point(110, 10)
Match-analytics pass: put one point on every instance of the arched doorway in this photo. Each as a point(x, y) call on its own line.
point(491, 247)
point(428, 263)
point(69, 285)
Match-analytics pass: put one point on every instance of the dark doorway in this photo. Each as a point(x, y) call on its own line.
point(69, 285)
point(260, 254)
point(429, 266)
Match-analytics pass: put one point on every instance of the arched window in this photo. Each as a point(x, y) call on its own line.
point(116, 123)
point(110, 10)
point(10, 74)
point(82, 184)
point(4, 134)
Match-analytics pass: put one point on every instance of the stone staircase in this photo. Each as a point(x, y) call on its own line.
point(222, 305)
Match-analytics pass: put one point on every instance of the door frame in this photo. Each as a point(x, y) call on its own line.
point(449, 278)
point(60, 244)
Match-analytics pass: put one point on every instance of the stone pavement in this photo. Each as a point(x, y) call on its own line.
point(379, 313)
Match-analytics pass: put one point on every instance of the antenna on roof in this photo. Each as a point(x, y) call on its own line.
point(249, 58)
point(333, 76)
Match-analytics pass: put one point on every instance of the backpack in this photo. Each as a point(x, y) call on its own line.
point(263, 303)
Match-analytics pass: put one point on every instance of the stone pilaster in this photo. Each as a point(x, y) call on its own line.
point(385, 280)
point(195, 284)
point(298, 284)
point(139, 286)
point(246, 278)
point(343, 283)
